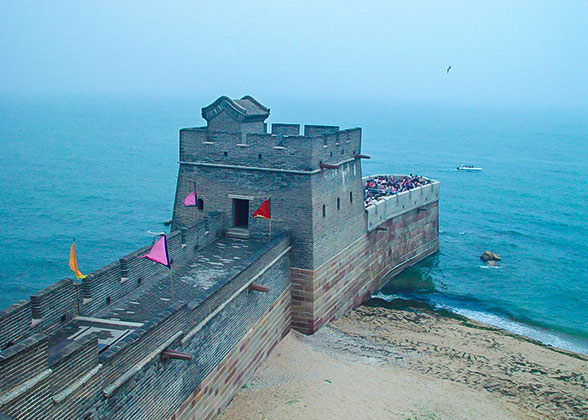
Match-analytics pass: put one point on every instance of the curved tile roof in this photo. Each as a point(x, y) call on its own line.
point(247, 106)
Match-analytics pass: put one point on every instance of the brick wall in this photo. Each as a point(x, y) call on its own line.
point(19, 364)
point(71, 381)
point(280, 129)
point(290, 198)
point(79, 360)
point(162, 386)
point(118, 279)
point(217, 389)
point(347, 279)
point(54, 305)
point(15, 323)
point(340, 193)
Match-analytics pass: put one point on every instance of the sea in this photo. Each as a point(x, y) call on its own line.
point(102, 169)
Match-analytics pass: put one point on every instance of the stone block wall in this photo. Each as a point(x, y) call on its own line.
point(282, 149)
point(319, 130)
point(335, 147)
point(352, 275)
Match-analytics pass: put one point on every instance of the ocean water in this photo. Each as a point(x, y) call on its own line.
point(104, 170)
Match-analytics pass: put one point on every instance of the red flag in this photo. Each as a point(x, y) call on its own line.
point(263, 210)
point(159, 252)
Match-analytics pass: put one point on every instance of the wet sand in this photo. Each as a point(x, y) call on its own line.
point(377, 363)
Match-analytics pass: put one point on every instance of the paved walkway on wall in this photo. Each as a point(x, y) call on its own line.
point(218, 261)
point(211, 267)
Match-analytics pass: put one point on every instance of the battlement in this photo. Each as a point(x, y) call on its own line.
point(282, 149)
point(68, 366)
point(404, 202)
point(236, 135)
point(140, 341)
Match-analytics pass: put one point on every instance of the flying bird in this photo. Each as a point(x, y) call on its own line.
point(448, 68)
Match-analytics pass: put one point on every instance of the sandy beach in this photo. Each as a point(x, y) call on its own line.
point(377, 363)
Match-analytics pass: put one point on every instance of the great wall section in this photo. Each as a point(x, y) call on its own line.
point(131, 352)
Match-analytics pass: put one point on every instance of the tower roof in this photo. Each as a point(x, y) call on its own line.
point(247, 106)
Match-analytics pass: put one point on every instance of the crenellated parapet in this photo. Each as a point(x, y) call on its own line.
point(108, 361)
point(404, 202)
point(280, 150)
point(138, 340)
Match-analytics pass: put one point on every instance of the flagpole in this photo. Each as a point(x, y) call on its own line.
point(77, 284)
point(171, 280)
point(269, 236)
point(197, 212)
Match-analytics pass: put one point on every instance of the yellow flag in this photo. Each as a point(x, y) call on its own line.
point(73, 261)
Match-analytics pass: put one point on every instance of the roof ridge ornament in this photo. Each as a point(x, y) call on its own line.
point(256, 112)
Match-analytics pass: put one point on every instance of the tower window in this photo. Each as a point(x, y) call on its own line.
point(331, 154)
point(108, 300)
point(324, 211)
point(200, 204)
point(351, 196)
point(259, 156)
point(226, 154)
point(342, 151)
point(338, 203)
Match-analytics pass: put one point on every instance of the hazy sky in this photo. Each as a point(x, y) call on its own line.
point(500, 51)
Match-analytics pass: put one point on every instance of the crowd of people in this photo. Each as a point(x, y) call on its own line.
point(377, 187)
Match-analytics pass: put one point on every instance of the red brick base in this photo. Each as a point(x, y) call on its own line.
point(218, 388)
point(351, 276)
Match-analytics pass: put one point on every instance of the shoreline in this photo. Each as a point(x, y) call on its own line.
point(414, 363)
point(465, 314)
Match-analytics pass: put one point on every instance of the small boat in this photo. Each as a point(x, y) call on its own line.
point(468, 168)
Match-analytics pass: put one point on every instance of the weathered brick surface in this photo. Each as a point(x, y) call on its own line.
point(350, 277)
point(217, 389)
point(54, 305)
point(15, 323)
point(81, 358)
point(23, 360)
point(229, 160)
point(327, 255)
point(111, 283)
point(251, 320)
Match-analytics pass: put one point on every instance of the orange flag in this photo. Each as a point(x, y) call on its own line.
point(73, 261)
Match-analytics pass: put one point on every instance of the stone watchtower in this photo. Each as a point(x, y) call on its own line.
point(314, 181)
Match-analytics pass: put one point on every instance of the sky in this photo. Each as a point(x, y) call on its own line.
point(505, 52)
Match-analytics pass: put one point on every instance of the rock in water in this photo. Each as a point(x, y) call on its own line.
point(489, 256)
point(167, 223)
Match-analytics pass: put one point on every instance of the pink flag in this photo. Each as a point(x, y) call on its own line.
point(158, 252)
point(191, 198)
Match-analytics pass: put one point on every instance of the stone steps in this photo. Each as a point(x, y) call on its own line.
point(238, 233)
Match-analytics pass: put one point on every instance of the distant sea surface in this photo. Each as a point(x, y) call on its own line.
point(104, 170)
